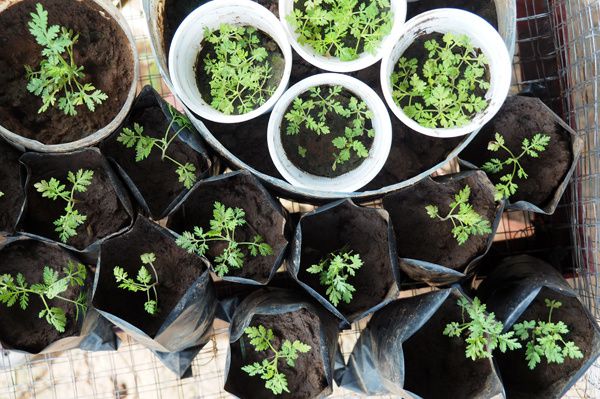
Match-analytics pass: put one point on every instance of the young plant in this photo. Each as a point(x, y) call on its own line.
point(532, 148)
point(223, 227)
point(465, 220)
point(145, 144)
point(67, 224)
point(483, 333)
point(341, 28)
point(1, 194)
point(59, 79)
point(240, 70)
point(261, 339)
point(546, 339)
point(334, 271)
point(142, 283)
point(443, 92)
point(17, 289)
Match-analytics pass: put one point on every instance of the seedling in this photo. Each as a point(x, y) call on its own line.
point(334, 271)
point(240, 70)
point(483, 333)
point(261, 339)
point(1, 194)
point(465, 220)
point(341, 28)
point(13, 289)
point(444, 93)
point(223, 227)
point(142, 283)
point(145, 144)
point(532, 148)
point(546, 339)
point(67, 224)
point(59, 78)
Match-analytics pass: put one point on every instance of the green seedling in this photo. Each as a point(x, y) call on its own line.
point(142, 283)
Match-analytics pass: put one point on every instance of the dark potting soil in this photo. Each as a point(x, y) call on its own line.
point(519, 380)
point(10, 185)
point(519, 118)
point(422, 238)
point(306, 380)
point(102, 49)
point(23, 329)
point(486, 9)
point(173, 14)
point(365, 233)
point(177, 270)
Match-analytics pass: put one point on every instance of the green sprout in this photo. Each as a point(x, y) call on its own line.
point(142, 283)
point(1, 194)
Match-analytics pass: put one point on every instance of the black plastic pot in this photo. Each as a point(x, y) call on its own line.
point(515, 291)
point(11, 201)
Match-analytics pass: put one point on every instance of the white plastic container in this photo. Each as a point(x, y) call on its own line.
point(333, 64)
point(354, 179)
point(483, 36)
point(187, 43)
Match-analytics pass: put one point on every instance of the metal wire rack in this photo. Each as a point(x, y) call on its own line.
point(557, 59)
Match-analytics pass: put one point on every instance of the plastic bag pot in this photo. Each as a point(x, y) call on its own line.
point(154, 181)
point(428, 252)
point(290, 317)
point(367, 232)
point(105, 48)
point(186, 297)
point(549, 174)
point(12, 197)
point(515, 291)
point(264, 216)
point(105, 203)
point(22, 330)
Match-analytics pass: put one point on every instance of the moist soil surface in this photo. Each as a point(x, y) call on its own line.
point(10, 185)
point(177, 270)
point(520, 118)
point(486, 9)
point(105, 212)
point(102, 49)
point(306, 380)
point(521, 382)
point(261, 218)
point(365, 232)
point(422, 238)
point(23, 329)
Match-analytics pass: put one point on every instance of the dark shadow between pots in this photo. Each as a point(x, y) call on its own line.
point(12, 197)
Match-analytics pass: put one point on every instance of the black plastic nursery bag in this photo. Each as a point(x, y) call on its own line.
point(12, 198)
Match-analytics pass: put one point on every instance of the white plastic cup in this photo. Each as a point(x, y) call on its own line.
point(482, 35)
point(333, 64)
point(354, 179)
point(187, 43)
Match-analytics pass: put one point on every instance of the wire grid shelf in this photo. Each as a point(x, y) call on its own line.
point(557, 59)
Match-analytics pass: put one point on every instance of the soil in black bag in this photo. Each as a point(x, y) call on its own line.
point(486, 9)
point(102, 49)
point(305, 380)
point(173, 15)
point(10, 185)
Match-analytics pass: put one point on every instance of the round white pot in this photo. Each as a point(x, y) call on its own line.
point(332, 63)
point(354, 179)
point(483, 36)
point(187, 43)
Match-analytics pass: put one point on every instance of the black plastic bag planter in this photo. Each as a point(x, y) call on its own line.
point(186, 296)
point(22, 330)
point(549, 174)
point(515, 291)
point(11, 199)
point(403, 352)
point(428, 252)
point(291, 317)
point(264, 216)
point(367, 232)
point(105, 203)
point(153, 181)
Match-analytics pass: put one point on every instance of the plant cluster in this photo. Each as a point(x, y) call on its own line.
point(17, 289)
point(142, 283)
point(507, 187)
point(223, 226)
point(240, 70)
point(67, 224)
point(261, 339)
point(314, 113)
point(465, 220)
point(443, 92)
point(59, 78)
point(341, 28)
point(144, 145)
